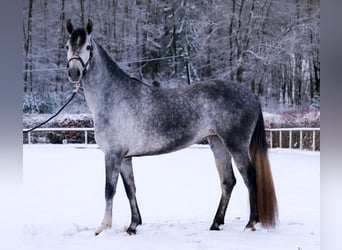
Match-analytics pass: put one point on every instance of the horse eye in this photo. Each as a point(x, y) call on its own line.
point(67, 47)
point(88, 47)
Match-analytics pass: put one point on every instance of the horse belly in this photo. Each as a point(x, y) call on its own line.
point(155, 144)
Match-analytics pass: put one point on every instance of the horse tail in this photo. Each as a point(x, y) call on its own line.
point(265, 192)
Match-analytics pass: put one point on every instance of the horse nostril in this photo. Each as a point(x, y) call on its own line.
point(69, 73)
point(78, 73)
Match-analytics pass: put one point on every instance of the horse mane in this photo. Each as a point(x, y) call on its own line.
point(114, 67)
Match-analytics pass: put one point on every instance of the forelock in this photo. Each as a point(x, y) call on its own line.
point(78, 38)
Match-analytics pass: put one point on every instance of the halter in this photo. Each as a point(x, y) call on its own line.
point(84, 65)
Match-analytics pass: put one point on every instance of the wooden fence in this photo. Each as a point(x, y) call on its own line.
point(296, 138)
point(300, 138)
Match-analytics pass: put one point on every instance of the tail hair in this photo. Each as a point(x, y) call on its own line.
point(266, 196)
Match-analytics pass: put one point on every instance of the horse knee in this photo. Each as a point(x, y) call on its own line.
point(228, 185)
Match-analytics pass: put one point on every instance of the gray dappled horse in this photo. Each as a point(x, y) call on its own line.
point(135, 119)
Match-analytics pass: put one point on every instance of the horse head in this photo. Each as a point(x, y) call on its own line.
point(79, 51)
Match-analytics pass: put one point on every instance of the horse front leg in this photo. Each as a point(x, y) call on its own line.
point(127, 175)
point(113, 165)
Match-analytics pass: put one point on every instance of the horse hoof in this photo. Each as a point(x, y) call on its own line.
point(101, 228)
point(250, 226)
point(215, 227)
point(131, 231)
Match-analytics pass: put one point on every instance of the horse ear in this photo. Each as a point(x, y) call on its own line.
point(89, 26)
point(69, 26)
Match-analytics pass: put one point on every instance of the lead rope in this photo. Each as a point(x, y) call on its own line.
point(78, 85)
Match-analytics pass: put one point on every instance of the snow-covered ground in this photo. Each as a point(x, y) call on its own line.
point(178, 195)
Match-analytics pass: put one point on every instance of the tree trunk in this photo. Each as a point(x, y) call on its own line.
point(231, 39)
point(61, 43)
point(28, 51)
point(82, 12)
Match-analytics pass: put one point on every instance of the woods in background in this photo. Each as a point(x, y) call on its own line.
point(270, 46)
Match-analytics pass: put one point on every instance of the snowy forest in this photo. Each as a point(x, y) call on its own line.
point(270, 46)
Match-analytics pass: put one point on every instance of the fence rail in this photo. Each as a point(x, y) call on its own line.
point(276, 137)
point(85, 130)
point(282, 132)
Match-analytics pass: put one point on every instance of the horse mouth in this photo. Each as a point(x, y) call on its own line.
point(74, 81)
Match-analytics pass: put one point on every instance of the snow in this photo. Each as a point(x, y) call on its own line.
point(178, 195)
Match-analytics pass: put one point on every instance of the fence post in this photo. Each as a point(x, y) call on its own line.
point(301, 139)
point(29, 137)
point(313, 140)
point(85, 136)
point(290, 139)
point(271, 139)
point(280, 139)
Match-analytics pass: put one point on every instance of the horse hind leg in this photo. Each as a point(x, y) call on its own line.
point(248, 173)
point(126, 173)
point(227, 178)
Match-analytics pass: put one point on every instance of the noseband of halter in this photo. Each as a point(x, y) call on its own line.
point(84, 65)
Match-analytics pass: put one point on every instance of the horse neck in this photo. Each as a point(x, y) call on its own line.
point(103, 70)
point(105, 76)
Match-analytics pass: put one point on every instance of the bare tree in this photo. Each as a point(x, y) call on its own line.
point(270, 46)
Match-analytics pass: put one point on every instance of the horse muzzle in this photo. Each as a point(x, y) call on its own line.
point(77, 68)
point(74, 74)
